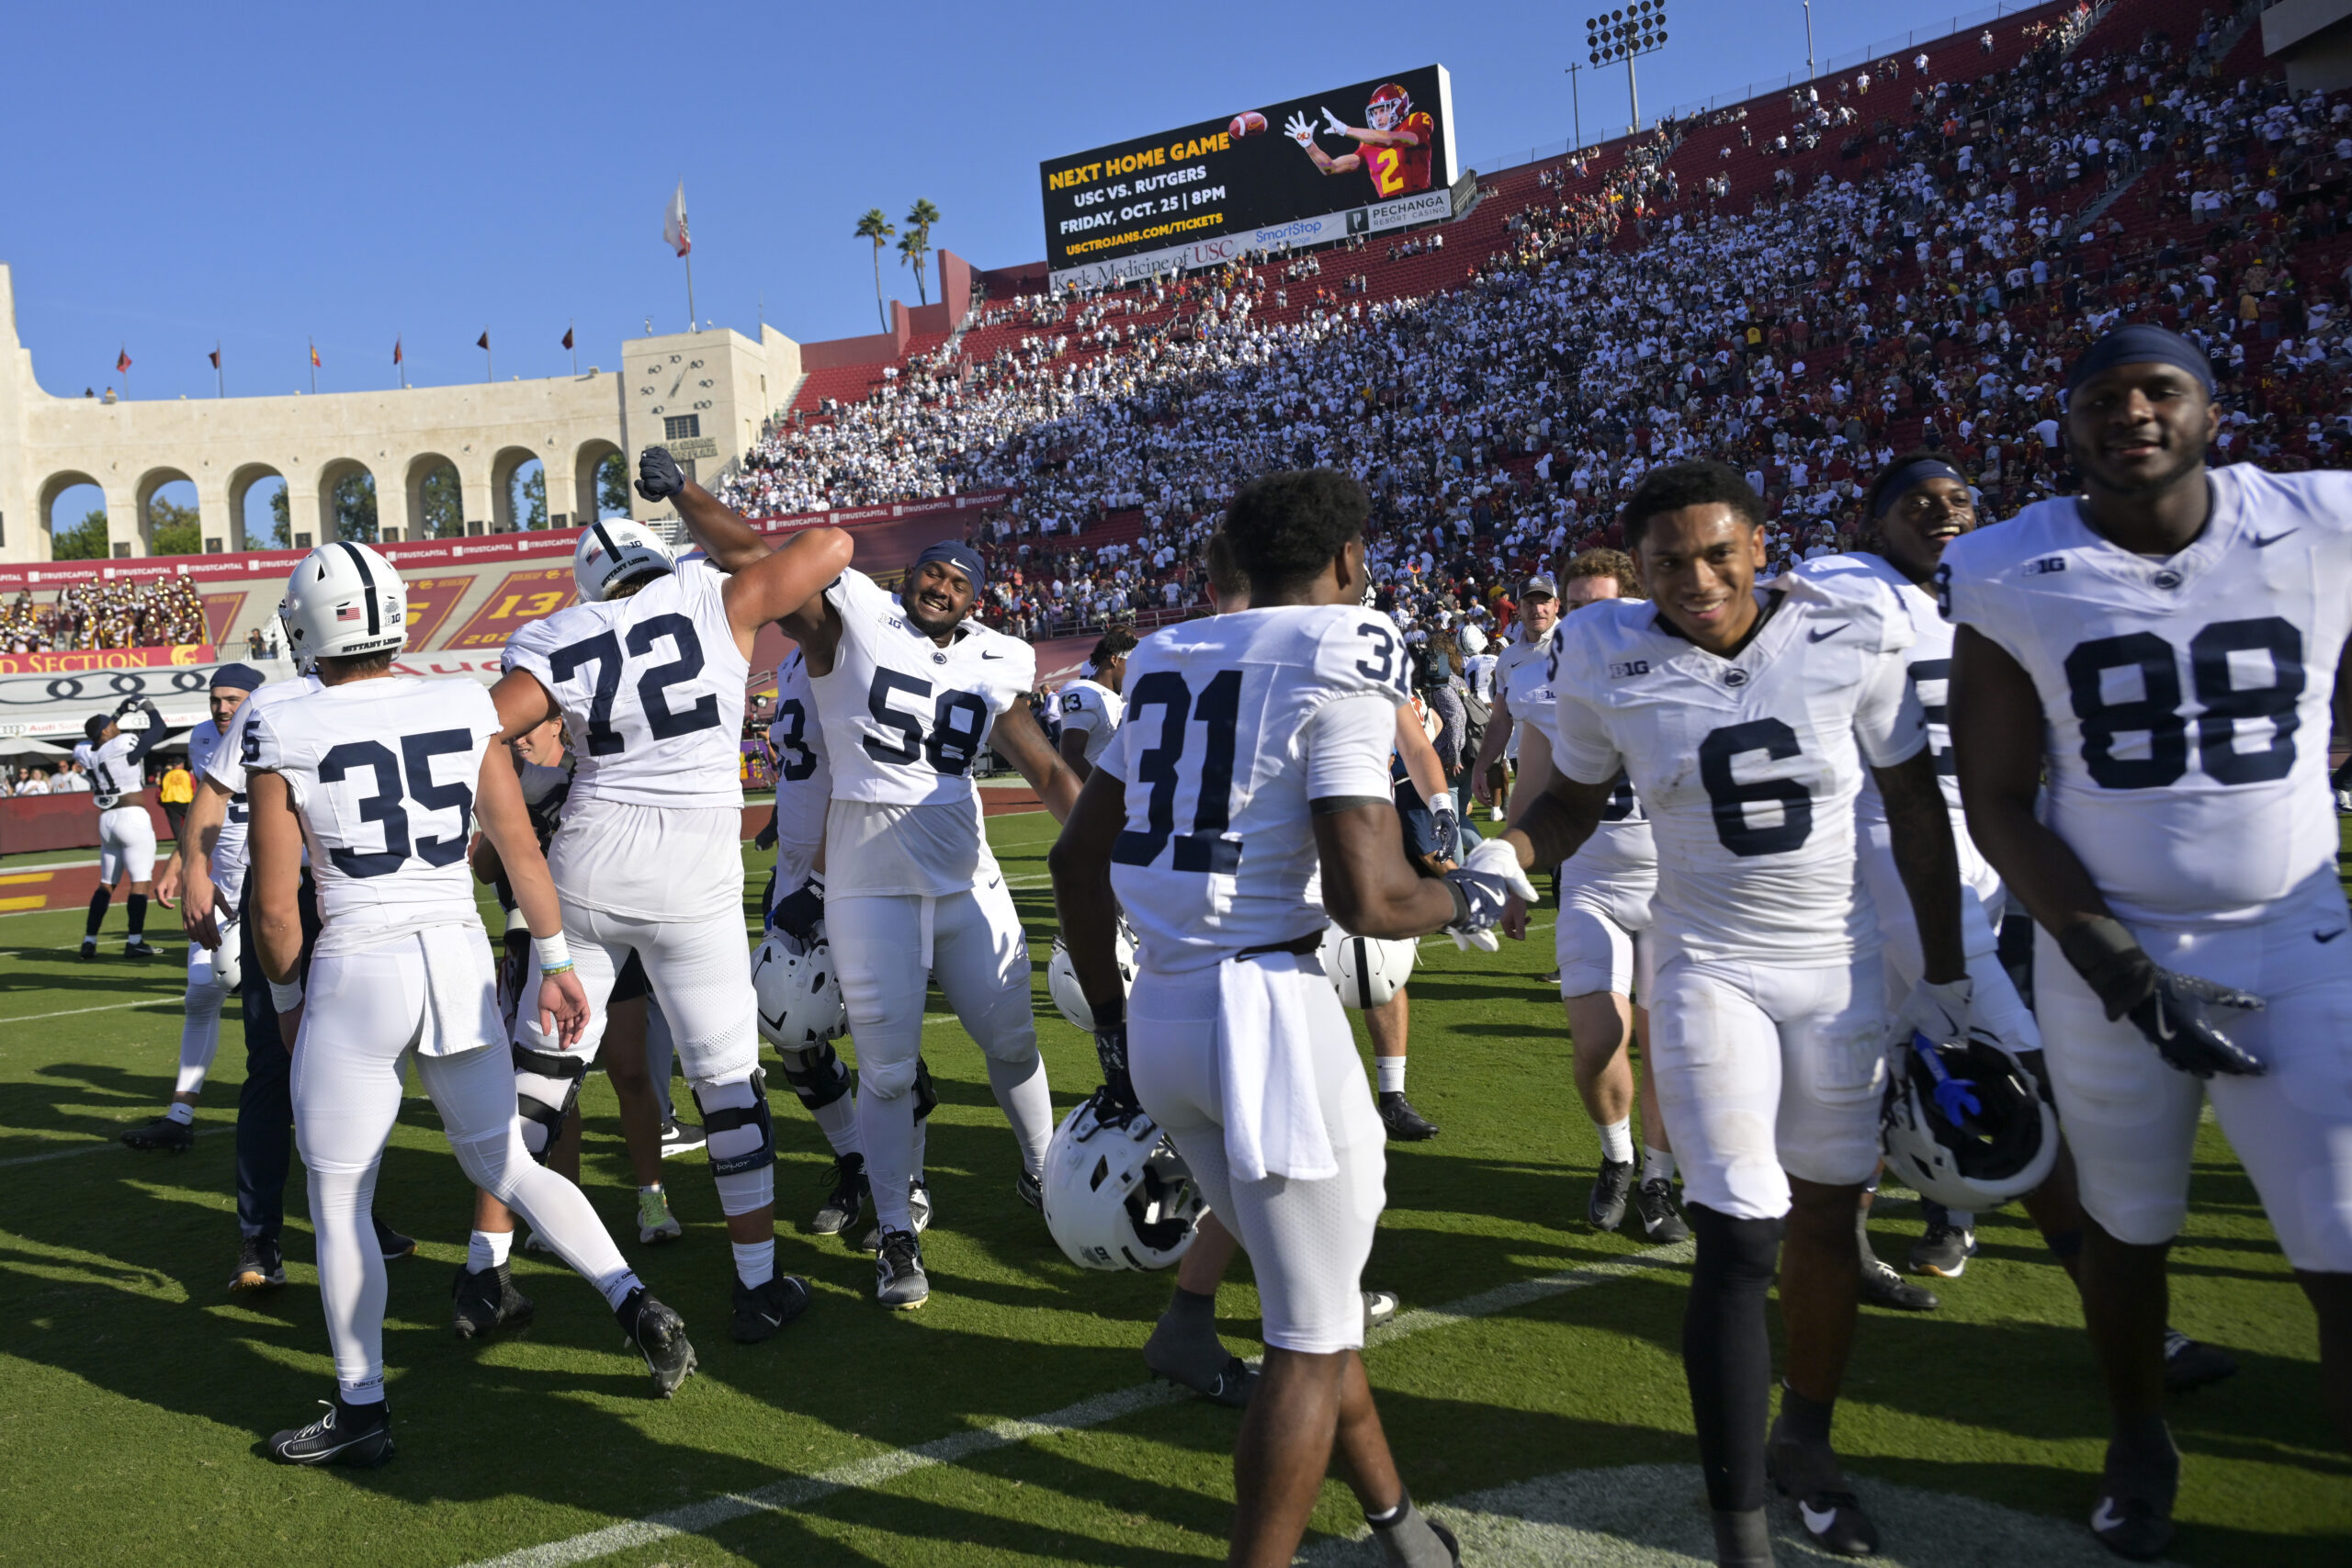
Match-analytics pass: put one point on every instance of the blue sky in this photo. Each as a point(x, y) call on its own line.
point(266, 175)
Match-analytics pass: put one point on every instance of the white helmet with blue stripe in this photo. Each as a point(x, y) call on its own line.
point(616, 550)
point(344, 602)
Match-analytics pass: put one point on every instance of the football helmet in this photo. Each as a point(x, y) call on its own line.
point(1061, 978)
point(1367, 971)
point(1965, 1123)
point(344, 602)
point(1390, 108)
point(1117, 1195)
point(228, 969)
point(615, 550)
point(799, 994)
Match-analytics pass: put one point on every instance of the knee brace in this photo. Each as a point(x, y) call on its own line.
point(816, 1075)
point(546, 1088)
point(925, 1097)
point(735, 1119)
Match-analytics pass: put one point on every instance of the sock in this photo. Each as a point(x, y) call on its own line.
point(1406, 1540)
point(616, 1288)
point(1021, 1094)
point(1657, 1165)
point(98, 902)
point(1616, 1140)
point(1807, 1420)
point(1727, 1352)
point(1189, 1306)
point(488, 1250)
point(838, 1121)
point(1862, 1232)
point(1392, 1074)
point(181, 1111)
point(2141, 1454)
point(199, 1036)
point(755, 1262)
point(361, 1391)
point(137, 909)
point(1959, 1218)
point(889, 1128)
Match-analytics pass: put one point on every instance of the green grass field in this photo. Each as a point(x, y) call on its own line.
point(1010, 1422)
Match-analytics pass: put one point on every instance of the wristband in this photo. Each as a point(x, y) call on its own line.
point(287, 996)
point(1442, 804)
point(554, 953)
point(1109, 1015)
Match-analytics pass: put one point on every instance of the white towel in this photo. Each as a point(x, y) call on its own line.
point(1273, 1112)
point(460, 992)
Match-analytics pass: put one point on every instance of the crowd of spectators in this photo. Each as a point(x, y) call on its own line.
point(105, 614)
point(1804, 331)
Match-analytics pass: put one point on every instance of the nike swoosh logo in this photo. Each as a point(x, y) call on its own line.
point(1833, 631)
point(2164, 1024)
point(2261, 543)
point(2323, 938)
point(991, 656)
point(1818, 1520)
point(2107, 1518)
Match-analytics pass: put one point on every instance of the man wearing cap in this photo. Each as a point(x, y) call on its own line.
point(1521, 665)
point(116, 757)
point(2164, 647)
point(212, 974)
point(912, 694)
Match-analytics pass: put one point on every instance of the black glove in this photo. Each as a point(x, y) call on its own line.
point(765, 838)
point(2174, 1012)
point(796, 914)
point(658, 475)
point(1111, 1051)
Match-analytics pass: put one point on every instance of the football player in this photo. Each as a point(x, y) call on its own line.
point(384, 775)
point(1769, 1014)
point(1530, 642)
point(647, 672)
point(1090, 706)
point(2152, 662)
point(911, 693)
point(1394, 147)
point(1603, 942)
point(1432, 837)
point(1270, 729)
point(211, 977)
point(116, 758)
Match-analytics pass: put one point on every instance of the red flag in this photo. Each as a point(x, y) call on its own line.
point(122, 361)
point(674, 223)
point(396, 351)
point(314, 357)
point(483, 342)
point(215, 357)
point(567, 337)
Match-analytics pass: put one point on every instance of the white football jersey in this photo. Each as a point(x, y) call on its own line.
point(204, 743)
point(651, 688)
point(1478, 672)
point(1240, 721)
point(804, 775)
point(1623, 844)
point(1093, 710)
point(1748, 766)
point(382, 772)
point(226, 767)
point(114, 766)
point(2185, 699)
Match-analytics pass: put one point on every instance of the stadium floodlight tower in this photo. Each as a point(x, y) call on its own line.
point(1626, 34)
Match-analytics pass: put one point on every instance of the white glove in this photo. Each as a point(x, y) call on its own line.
point(1481, 885)
point(1299, 130)
point(1939, 1011)
point(1333, 124)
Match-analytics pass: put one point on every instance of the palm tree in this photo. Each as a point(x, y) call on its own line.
point(911, 255)
point(876, 228)
point(919, 220)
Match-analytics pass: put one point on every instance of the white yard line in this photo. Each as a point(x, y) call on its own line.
point(879, 1470)
point(88, 1149)
point(108, 1007)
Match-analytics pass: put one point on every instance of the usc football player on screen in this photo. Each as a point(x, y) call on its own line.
point(1394, 148)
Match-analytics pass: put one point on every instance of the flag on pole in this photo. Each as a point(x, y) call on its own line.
point(567, 337)
point(314, 357)
point(215, 357)
point(122, 360)
point(396, 351)
point(674, 223)
point(483, 342)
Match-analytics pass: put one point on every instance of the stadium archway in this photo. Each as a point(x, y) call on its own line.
point(505, 468)
point(247, 485)
point(149, 492)
point(434, 505)
point(56, 488)
point(347, 502)
point(587, 487)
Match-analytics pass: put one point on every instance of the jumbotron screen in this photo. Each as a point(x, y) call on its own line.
point(1363, 159)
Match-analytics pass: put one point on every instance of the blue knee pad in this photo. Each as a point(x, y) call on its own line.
point(735, 1119)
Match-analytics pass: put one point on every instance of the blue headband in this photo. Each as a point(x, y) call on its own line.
point(963, 558)
point(237, 677)
point(2142, 345)
point(1907, 478)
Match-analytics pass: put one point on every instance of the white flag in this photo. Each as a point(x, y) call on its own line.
point(674, 223)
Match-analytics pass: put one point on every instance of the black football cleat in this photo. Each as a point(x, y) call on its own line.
point(1405, 1124)
point(356, 1435)
point(137, 948)
point(2134, 1518)
point(1654, 1204)
point(162, 1135)
point(1199, 1360)
point(1031, 1191)
point(659, 1335)
point(487, 1301)
point(1743, 1539)
point(260, 1265)
point(761, 1310)
point(1810, 1473)
point(847, 1201)
point(2192, 1363)
point(391, 1243)
point(1605, 1207)
point(89, 948)
point(1882, 1286)
point(899, 1283)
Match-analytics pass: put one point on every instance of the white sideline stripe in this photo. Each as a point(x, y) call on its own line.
point(106, 1007)
point(89, 1149)
point(881, 1469)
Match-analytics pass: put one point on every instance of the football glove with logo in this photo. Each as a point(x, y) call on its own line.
point(796, 914)
point(1939, 1011)
point(2174, 1012)
point(1299, 129)
point(658, 475)
point(1480, 886)
point(1111, 1051)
